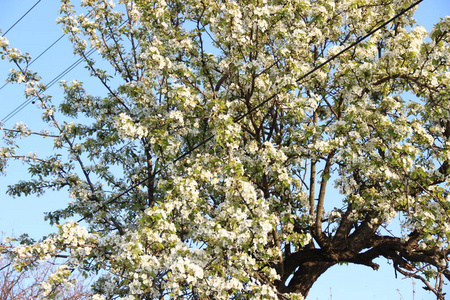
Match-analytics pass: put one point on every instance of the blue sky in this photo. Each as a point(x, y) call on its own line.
point(34, 34)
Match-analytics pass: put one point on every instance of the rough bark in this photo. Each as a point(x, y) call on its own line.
point(305, 277)
point(360, 245)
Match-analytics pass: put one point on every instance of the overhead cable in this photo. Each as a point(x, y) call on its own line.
point(20, 19)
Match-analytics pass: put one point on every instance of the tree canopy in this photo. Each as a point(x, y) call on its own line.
point(207, 170)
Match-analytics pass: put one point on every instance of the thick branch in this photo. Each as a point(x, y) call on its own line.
point(312, 188)
point(321, 199)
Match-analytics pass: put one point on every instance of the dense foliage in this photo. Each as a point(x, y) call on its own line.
point(206, 172)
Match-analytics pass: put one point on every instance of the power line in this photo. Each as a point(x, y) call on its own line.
point(358, 40)
point(48, 48)
point(20, 19)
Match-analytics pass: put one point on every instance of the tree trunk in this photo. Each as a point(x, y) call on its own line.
point(304, 277)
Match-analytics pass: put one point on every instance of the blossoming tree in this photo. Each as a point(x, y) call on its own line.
point(207, 170)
